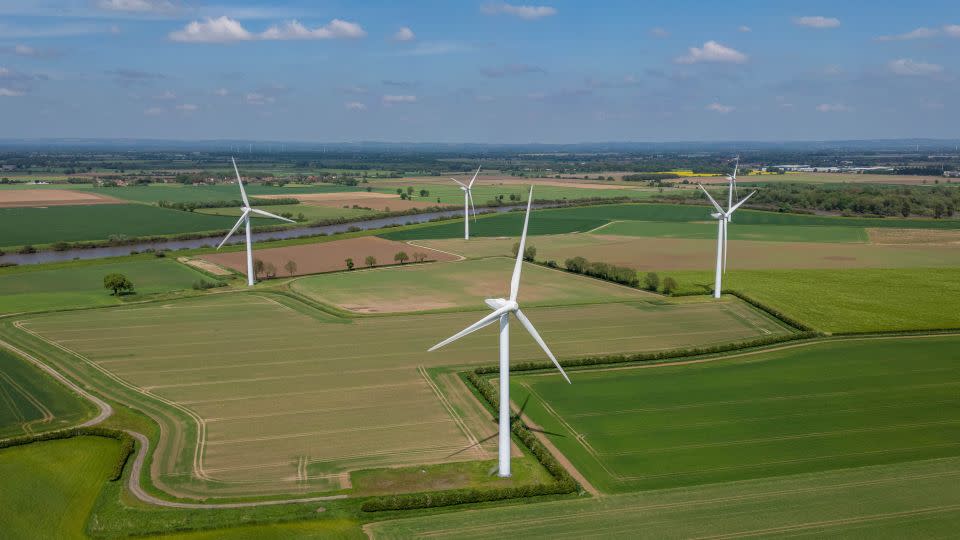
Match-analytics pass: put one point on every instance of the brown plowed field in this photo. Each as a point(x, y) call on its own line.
point(15, 198)
point(326, 256)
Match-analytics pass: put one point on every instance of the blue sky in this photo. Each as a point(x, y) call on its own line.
point(477, 71)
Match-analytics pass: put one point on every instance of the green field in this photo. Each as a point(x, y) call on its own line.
point(853, 300)
point(904, 500)
point(31, 401)
point(309, 211)
point(463, 284)
point(49, 488)
point(39, 226)
point(482, 193)
point(80, 284)
point(800, 409)
point(220, 192)
point(780, 233)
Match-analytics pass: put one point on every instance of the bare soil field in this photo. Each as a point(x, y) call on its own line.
point(658, 254)
point(927, 237)
point(375, 201)
point(16, 198)
point(326, 256)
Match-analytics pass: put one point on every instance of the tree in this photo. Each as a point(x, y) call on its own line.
point(530, 253)
point(399, 191)
point(291, 267)
point(576, 264)
point(905, 209)
point(270, 270)
point(669, 285)
point(419, 256)
point(424, 193)
point(409, 190)
point(117, 283)
point(370, 261)
point(401, 257)
point(258, 267)
point(349, 262)
point(651, 281)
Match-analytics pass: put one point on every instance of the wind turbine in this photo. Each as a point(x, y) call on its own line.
point(722, 217)
point(467, 203)
point(731, 192)
point(502, 311)
point(245, 220)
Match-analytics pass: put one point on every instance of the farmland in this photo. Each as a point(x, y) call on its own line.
point(32, 402)
point(782, 233)
point(224, 378)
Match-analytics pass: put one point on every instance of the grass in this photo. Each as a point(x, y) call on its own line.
point(39, 226)
point(332, 374)
point(781, 233)
point(853, 300)
point(483, 193)
point(327, 529)
point(49, 488)
point(819, 407)
point(904, 500)
point(220, 192)
point(456, 285)
point(81, 285)
point(469, 474)
point(31, 401)
point(310, 212)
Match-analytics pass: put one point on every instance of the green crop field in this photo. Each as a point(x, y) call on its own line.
point(220, 192)
point(309, 211)
point(854, 300)
point(463, 284)
point(31, 401)
point(49, 488)
point(904, 500)
point(212, 370)
point(37, 226)
point(780, 233)
point(482, 194)
point(799, 409)
point(72, 285)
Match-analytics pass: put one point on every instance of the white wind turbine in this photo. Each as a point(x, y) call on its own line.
point(245, 220)
point(468, 203)
point(731, 193)
point(502, 310)
point(722, 217)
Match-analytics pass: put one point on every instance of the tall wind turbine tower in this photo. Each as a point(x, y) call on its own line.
point(723, 218)
point(468, 203)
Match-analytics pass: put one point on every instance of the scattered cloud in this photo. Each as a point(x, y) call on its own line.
point(9, 92)
point(222, 92)
point(335, 29)
point(918, 33)
point(720, 108)
point(626, 81)
point(510, 69)
point(398, 84)
point(433, 48)
point(137, 6)
point(187, 107)
point(744, 29)
point(389, 99)
point(404, 34)
point(166, 96)
point(817, 22)
point(909, 68)
point(712, 52)
point(153, 111)
point(354, 90)
point(129, 77)
point(355, 106)
point(529, 13)
point(659, 32)
point(258, 98)
point(29, 52)
point(833, 107)
point(952, 30)
point(484, 99)
point(220, 30)
point(832, 69)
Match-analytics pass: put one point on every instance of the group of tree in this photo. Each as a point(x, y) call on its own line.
point(651, 282)
point(602, 270)
point(190, 206)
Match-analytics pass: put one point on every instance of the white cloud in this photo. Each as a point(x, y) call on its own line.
point(153, 111)
point(137, 6)
point(484, 99)
point(355, 106)
point(524, 12)
point(511, 69)
point(744, 29)
point(909, 68)
point(393, 99)
point(720, 108)
point(433, 48)
point(256, 98)
point(8, 92)
point(166, 96)
point(187, 107)
point(335, 29)
point(24, 50)
point(222, 92)
point(918, 33)
point(4, 72)
point(712, 52)
point(833, 107)
point(219, 30)
point(952, 30)
point(659, 32)
point(817, 22)
point(404, 34)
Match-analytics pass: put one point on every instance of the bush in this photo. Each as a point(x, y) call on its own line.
point(160, 254)
point(27, 249)
point(203, 285)
point(651, 281)
point(669, 285)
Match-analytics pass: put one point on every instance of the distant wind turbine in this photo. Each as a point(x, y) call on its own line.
point(245, 220)
point(468, 203)
point(731, 194)
point(723, 218)
point(502, 310)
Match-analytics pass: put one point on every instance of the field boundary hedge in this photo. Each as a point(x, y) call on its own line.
point(563, 483)
point(127, 442)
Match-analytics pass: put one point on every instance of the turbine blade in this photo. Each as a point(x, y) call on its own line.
point(725, 246)
point(268, 214)
point(736, 168)
point(472, 206)
point(743, 200)
point(458, 182)
point(707, 193)
point(536, 336)
point(482, 323)
point(515, 280)
point(474, 177)
point(243, 193)
point(234, 229)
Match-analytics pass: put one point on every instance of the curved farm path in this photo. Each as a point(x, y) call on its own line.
point(414, 244)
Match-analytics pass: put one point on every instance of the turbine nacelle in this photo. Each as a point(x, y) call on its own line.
point(500, 303)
